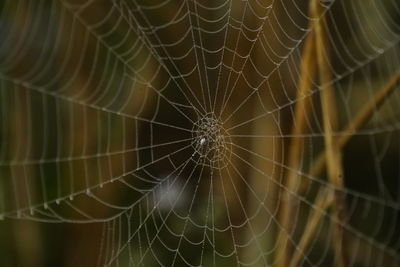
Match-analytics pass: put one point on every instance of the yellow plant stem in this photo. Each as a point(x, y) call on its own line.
point(291, 180)
point(362, 117)
point(325, 196)
point(323, 201)
point(332, 148)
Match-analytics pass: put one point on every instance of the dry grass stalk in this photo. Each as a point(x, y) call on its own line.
point(308, 68)
point(308, 71)
point(359, 121)
point(332, 148)
point(323, 201)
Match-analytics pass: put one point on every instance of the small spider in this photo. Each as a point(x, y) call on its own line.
point(203, 141)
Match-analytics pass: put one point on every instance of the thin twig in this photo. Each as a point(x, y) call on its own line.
point(308, 71)
point(323, 201)
point(332, 149)
point(359, 120)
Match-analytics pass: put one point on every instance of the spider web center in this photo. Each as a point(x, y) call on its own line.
point(211, 142)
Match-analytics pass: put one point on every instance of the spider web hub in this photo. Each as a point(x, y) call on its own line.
point(211, 142)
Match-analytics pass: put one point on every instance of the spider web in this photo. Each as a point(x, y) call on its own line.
point(169, 124)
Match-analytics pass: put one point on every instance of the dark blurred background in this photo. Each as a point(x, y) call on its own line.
point(100, 107)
